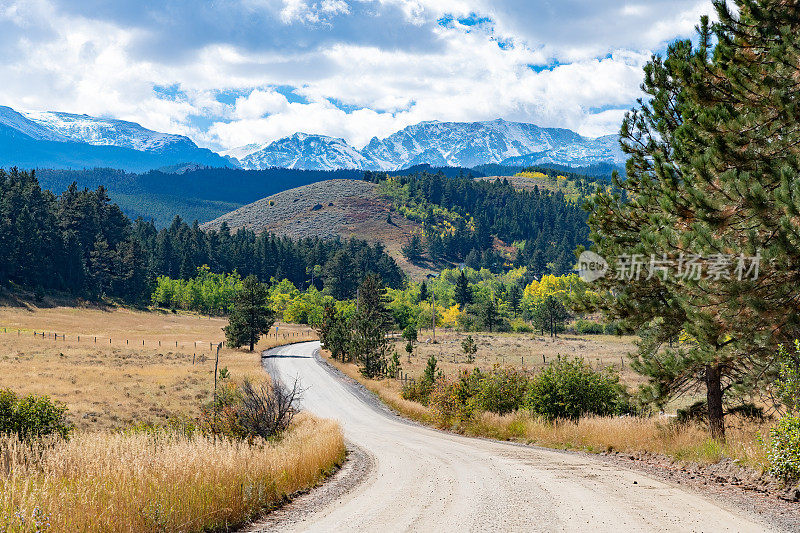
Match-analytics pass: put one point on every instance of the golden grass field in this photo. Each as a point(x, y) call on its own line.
point(655, 434)
point(103, 481)
point(107, 478)
point(113, 384)
point(531, 351)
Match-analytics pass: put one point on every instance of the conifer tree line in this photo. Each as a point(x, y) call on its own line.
point(545, 227)
point(82, 243)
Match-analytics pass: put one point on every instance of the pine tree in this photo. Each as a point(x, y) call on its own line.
point(469, 348)
point(550, 315)
point(370, 325)
point(487, 312)
point(463, 293)
point(251, 316)
point(712, 172)
point(423, 292)
point(412, 250)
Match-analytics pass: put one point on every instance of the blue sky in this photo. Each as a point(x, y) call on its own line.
point(234, 72)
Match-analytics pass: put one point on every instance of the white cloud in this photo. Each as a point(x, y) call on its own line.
point(578, 69)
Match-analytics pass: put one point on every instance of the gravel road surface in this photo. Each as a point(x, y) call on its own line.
point(422, 479)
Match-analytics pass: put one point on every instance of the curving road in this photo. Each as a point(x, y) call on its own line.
point(427, 480)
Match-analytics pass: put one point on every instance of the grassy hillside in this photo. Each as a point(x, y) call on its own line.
point(347, 208)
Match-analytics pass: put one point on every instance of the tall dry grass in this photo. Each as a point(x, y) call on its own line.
point(158, 482)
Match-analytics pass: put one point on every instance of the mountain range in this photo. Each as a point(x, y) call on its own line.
point(66, 140)
point(460, 144)
point(70, 141)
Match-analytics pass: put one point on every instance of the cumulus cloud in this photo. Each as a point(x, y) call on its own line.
point(235, 72)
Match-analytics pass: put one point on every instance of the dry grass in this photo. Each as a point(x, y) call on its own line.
point(141, 482)
point(113, 384)
point(519, 350)
point(659, 435)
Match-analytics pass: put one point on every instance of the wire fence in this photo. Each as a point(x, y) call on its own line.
point(275, 338)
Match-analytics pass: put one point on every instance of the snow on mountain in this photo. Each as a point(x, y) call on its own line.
point(18, 122)
point(241, 152)
point(65, 140)
point(107, 132)
point(464, 144)
point(305, 151)
point(468, 144)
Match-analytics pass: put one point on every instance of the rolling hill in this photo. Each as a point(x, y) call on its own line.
point(343, 207)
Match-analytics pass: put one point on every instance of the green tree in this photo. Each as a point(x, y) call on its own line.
point(714, 150)
point(430, 373)
point(514, 297)
point(463, 292)
point(550, 315)
point(423, 292)
point(409, 350)
point(410, 333)
point(370, 325)
point(487, 313)
point(469, 348)
point(412, 250)
point(251, 315)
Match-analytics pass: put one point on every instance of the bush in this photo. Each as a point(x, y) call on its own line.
point(569, 389)
point(500, 391)
point(444, 401)
point(32, 416)
point(253, 410)
point(783, 449)
point(417, 391)
point(518, 325)
point(612, 329)
point(587, 327)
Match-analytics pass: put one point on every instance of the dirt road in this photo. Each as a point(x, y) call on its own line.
point(426, 480)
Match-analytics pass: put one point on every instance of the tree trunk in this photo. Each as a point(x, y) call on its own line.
point(716, 420)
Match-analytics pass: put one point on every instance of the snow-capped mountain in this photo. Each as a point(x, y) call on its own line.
point(107, 132)
point(65, 140)
point(464, 144)
point(305, 151)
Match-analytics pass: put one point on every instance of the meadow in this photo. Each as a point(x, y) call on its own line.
point(132, 464)
point(143, 367)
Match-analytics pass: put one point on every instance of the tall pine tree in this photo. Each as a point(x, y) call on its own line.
point(712, 173)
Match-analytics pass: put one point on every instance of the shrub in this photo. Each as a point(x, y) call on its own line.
point(569, 389)
point(251, 410)
point(500, 391)
point(783, 449)
point(416, 391)
point(33, 416)
point(587, 327)
point(518, 325)
point(612, 329)
point(444, 401)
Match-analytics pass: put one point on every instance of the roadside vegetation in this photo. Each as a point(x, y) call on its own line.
point(159, 479)
point(134, 434)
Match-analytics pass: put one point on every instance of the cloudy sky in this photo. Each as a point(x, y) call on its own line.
point(233, 72)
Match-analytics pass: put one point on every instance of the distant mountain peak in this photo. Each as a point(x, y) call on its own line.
point(80, 140)
point(439, 143)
